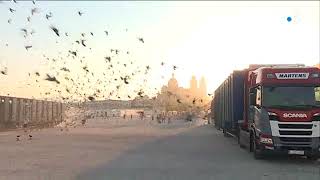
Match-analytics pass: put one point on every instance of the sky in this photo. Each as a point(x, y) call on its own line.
point(208, 38)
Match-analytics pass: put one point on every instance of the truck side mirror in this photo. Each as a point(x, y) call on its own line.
point(252, 99)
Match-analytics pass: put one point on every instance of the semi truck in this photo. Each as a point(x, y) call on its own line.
point(271, 109)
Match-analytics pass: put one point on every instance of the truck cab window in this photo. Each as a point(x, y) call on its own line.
point(317, 95)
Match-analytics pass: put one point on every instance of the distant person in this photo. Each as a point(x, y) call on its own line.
point(163, 118)
point(169, 120)
point(124, 116)
point(26, 130)
point(83, 121)
point(131, 116)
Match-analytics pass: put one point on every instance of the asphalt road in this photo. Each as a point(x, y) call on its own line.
point(139, 150)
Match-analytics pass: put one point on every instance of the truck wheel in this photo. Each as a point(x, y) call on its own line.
point(256, 152)
point(224, 132)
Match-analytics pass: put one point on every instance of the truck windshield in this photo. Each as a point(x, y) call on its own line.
point(299, 97)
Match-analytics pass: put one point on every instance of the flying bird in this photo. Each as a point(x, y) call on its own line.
point(55, 30)
point(73, 53)
point(82, 42)
point(49, 15)
point(5, 71)
point(28, 47)
point(52, 78)
point(175, 67)
point(106, 33)
point(34, 10)
point(37, 73)
point(11, 10)
point(33, 1)
point(65, 69)
point(9, 21)
point(80, 13)
point(141, 40)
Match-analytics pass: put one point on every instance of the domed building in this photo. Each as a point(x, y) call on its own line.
point(172, 94)
point(173, 85)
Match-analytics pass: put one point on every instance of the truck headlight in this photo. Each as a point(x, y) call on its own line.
point(265, 139)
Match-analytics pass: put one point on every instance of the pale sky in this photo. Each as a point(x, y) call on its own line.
point(207, 38)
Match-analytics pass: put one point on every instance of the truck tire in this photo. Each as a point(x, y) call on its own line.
point(257, 154)
point(224, 132)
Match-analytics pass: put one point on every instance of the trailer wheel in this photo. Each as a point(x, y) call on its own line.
point(224, 132)
point(256, 152)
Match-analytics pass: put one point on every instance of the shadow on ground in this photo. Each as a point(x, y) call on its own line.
point(199, 153)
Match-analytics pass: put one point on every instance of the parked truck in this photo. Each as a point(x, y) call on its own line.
point(271, 109)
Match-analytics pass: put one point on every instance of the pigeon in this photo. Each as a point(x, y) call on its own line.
point(65, 69)
point(49, 15)
point(175, 67)
point(80, 13)
point(11, 10)
point(34, 10)
point(194, 101)
point(108, 58)
point(178, 100)
point(82, 42)
point(55, 30)
point(91, 98)
point(18, 138)
point(52, 78)
point(24, 30)
point(141, 39)
point(28, 47)
point(73, 53)
point(5, 71)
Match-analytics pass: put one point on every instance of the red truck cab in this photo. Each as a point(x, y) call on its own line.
point(281, 110)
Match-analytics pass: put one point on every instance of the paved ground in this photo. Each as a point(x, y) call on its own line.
point(138, 150)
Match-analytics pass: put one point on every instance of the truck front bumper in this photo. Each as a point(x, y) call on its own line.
point(310, 148)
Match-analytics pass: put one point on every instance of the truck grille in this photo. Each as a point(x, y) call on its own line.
point(294, 134)
point(303, 133)
point(295, 141)
point(295, 126)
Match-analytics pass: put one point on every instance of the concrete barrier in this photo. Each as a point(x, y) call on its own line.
point(14, 111)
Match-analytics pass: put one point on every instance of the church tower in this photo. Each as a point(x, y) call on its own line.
point(193, 86)
point(203, 87)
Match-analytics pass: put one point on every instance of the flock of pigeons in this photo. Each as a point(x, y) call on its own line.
point(88, 85)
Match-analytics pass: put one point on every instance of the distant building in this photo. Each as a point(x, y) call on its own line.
point(172, 95)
